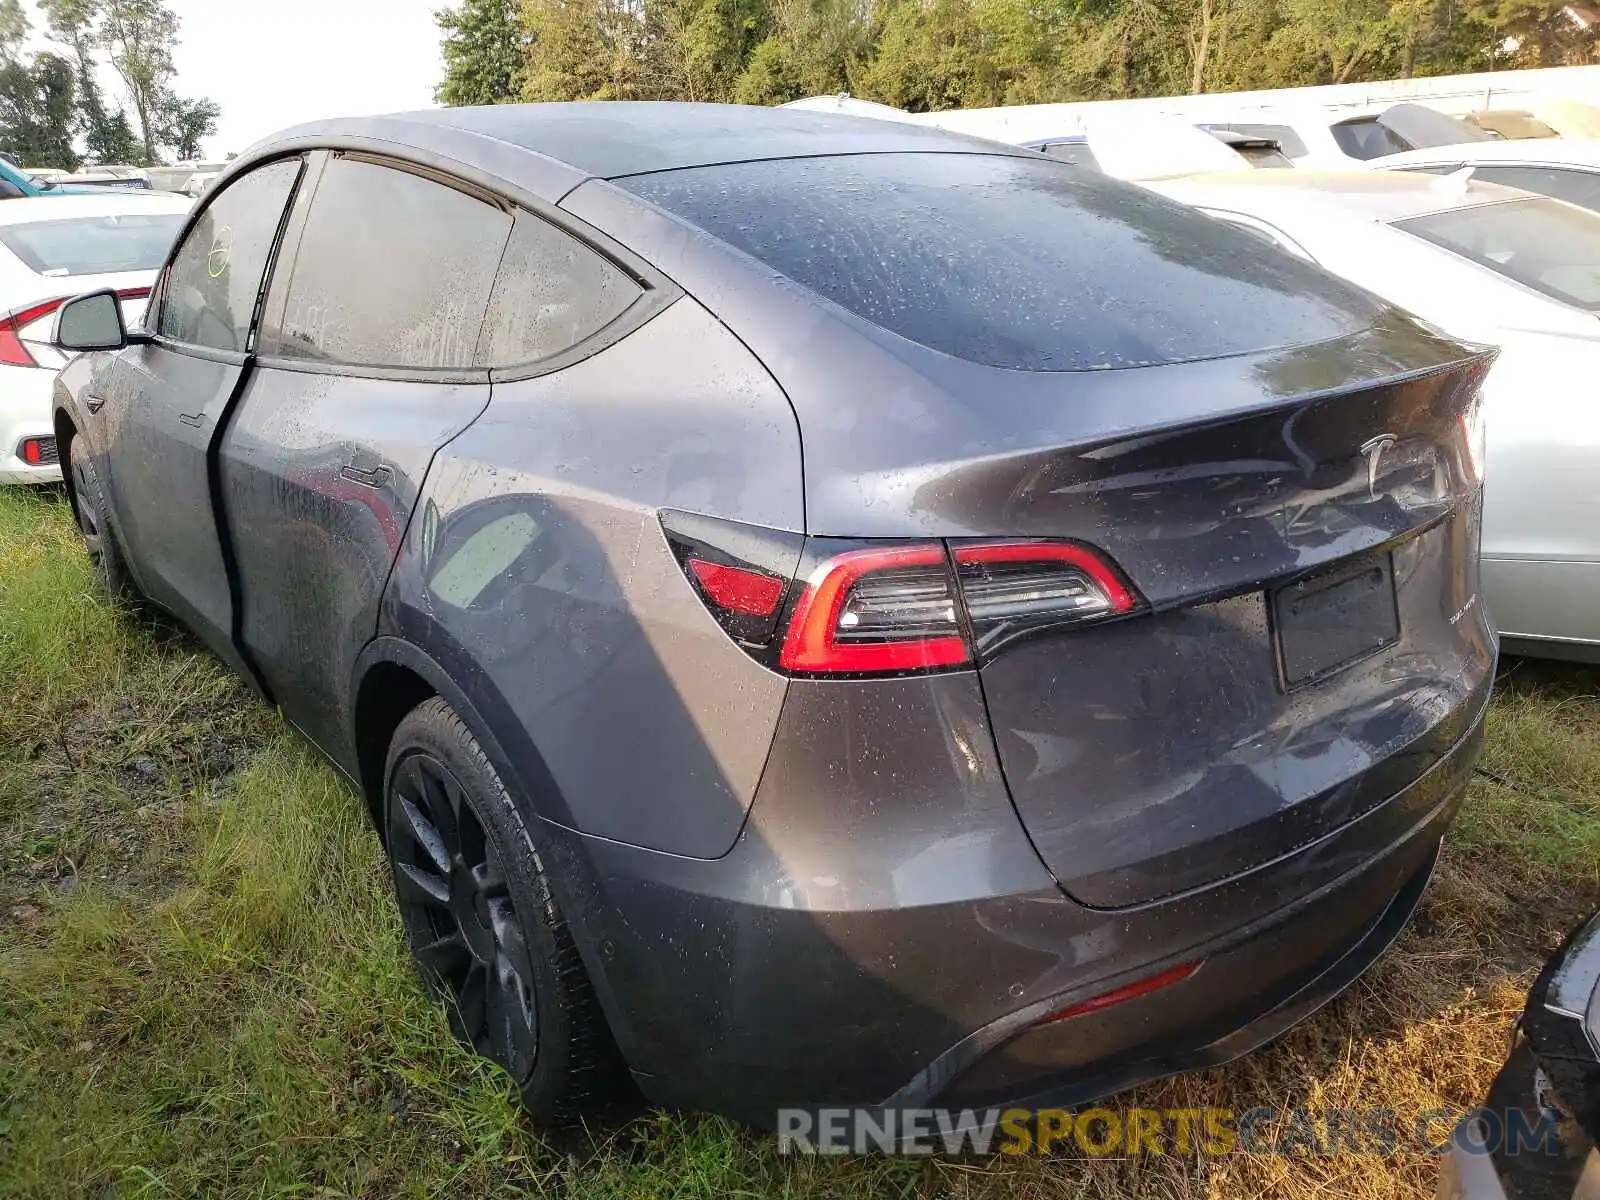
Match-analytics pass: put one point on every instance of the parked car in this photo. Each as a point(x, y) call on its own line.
point(1328, 138)
point(49, 251)
point(1086, 704)
point(15, 183)
point(1566, 168)
point(1535, 1137)
point(1157, 147)
point(114, 177)
point(1495, 265)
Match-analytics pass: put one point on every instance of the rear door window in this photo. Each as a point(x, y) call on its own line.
point(1011, 261)
point(553, 292)
point(215, 278)
point(393, 269)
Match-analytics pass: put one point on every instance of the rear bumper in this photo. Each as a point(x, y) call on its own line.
point(25, 413)
point(1210, 1018)
point(874, 939)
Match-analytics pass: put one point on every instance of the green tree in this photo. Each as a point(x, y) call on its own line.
point(582, 50)
point(769, 75)
point(140, 36)
point(483, 52)
point(13, 29)
point(37, 113)
point(185, 124)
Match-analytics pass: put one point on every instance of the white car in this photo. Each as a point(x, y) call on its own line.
point(1316, 138)
point(1489, 264)
point(1566, 168)
point(51, 249)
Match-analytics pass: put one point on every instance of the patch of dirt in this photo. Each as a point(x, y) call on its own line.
point(102, 797)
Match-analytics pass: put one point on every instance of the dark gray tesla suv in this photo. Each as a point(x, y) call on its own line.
point(821, 610)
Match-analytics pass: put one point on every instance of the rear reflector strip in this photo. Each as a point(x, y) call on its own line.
point(38, 452)
point(1121, 995)
point(738, 589)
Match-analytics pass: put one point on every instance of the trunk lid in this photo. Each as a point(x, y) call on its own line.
point(1313, 643)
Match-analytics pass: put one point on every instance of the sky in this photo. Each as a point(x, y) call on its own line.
point(273, 63)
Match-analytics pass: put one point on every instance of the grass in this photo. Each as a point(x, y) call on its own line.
point(204, 990)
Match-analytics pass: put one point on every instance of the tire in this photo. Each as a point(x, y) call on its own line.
point(105, 555)
point(487, 934)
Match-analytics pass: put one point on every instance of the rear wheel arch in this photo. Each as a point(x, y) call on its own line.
point(392, 676)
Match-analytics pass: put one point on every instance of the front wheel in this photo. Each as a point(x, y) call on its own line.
point(486, 932)
point(105, 556)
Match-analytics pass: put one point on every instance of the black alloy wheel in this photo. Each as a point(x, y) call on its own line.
point(458, 911)
point(483, 925)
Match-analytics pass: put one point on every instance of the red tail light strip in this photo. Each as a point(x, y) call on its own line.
point(1075, 557)
point(13, 353)
point(812, 643)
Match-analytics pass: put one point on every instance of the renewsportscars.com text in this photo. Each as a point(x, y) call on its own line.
point(1107, 1132)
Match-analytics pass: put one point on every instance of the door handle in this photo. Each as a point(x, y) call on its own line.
point(375, 478)
point(194, 419)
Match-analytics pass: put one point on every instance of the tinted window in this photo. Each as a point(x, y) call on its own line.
point(1288, 140)
point(1550, 247)
point(1076, 153)
point(215, 277)
point(1368, 138)
point(1013, 262)
point(392, 270)
point(94, 245)
point(9, 190)
point(1264, 155)
point(552, 292)
point(1575, 187)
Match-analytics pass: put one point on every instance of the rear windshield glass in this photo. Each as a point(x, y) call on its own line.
point(1368, 138)
point(1551, 247)
point(94, 245)
point(1012, 262)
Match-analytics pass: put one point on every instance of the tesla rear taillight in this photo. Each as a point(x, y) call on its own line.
point(890, 609)
point(828, 606)
point(1014, 588)
point(13, 353)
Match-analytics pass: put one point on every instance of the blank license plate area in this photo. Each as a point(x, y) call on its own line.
point(1331, 619)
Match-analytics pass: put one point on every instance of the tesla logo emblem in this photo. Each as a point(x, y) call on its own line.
point(1373, 448)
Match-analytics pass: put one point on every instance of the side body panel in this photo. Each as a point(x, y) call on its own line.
point(1541, 529)
point(161, 409)
point(320, 475)
point(538, 573)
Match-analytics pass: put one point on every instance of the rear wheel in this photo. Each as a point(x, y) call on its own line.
point(486, 932)
point(105, 556)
